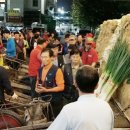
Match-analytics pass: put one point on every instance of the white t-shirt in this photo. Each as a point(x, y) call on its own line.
point(88, 113)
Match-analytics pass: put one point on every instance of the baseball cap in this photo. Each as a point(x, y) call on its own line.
point(89, 35)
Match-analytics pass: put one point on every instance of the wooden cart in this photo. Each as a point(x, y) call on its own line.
point(13, 113)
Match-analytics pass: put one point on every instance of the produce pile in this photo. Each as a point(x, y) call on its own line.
point(117, 69)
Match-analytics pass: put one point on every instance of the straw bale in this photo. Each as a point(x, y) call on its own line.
point(123, 92)
point(125, 20)
point(125, 24)
point(111, 30)
point(106, 31)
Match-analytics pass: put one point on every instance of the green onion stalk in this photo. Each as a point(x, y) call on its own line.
point(117, 68)
point(116, 78)
point(106, 88)
point(108, 97)
point(103, 78)
point(105, 75)
point(113, 56)
point(123, 75)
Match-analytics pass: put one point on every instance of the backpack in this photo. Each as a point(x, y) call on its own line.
point(70, 91)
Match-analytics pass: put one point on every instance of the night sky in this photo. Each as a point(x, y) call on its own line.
point(65, 3)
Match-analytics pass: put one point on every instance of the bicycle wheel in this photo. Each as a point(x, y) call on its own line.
point(10, 119)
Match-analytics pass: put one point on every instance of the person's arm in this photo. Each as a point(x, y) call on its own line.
point(60, 123)
point(10, 46)
point(93, 64)
point(39, 56)
point(24, 52)
point(95, 59)
point(83, 58)
point(59, 82)
point(7, 85)
point(26, 44)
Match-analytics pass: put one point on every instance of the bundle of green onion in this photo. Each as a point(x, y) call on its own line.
point(116, 70)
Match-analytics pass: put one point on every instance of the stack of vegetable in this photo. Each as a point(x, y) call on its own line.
point(116, 70)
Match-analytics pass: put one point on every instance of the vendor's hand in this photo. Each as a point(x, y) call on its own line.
point(15, 96)
point(3, 55)
point(6, 67)
point(41, 89)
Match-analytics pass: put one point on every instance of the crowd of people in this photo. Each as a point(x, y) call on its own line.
point(55, 69)
point(51, 61)
point(58, 63)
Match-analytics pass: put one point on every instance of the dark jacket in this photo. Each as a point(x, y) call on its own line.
point(70, 92)
point(65, 48)
point(4, 84)
point(60, 61)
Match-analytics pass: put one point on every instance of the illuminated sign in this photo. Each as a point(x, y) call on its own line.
point(13, 13)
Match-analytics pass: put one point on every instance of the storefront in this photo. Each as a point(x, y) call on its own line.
point(2, 10)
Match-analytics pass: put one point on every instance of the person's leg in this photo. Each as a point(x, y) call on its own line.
point(32, 85)
point(21, 56)
point(2, 97)
point(57, 106)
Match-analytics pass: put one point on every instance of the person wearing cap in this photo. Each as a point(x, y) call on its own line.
point(89, 55)
point(89, 35)
point(10, 45)
point(89, 38)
